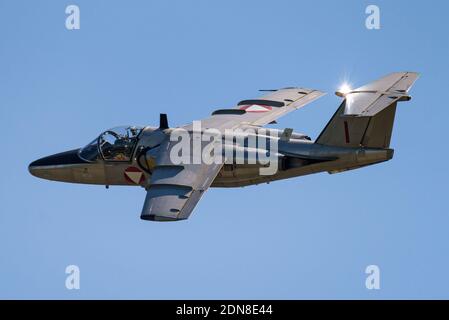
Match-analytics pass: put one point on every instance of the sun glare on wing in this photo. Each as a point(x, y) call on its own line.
point(345, 88)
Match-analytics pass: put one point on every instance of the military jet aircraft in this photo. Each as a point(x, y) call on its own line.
point(357, 135)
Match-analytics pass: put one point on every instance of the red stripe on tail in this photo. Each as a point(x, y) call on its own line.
point(346, 132)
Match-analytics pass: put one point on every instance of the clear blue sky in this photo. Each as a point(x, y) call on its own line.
point(308, 237)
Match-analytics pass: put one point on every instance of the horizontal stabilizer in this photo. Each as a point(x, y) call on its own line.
point(374, 97)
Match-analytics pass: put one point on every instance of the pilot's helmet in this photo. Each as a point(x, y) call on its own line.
point(133, 130)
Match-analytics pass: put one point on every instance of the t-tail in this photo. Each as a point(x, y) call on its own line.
point(366, 116)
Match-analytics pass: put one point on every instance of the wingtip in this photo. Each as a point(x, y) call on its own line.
point(157, 218)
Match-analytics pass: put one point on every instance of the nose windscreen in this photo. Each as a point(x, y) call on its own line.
point(90, 152)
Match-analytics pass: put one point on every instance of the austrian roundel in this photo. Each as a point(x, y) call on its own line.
point(134, 175)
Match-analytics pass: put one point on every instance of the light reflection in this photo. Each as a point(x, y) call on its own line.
point(345, 88)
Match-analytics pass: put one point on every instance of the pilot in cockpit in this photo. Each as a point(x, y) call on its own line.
point(118, 144)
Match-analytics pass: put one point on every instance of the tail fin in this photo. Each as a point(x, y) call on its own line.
point(366, 115)
point(348, 131)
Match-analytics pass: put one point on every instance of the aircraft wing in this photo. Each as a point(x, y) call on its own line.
point(372, 98)
point(263, 110)
point(175, 189)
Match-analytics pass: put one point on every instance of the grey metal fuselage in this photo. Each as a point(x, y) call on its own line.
point(296, 157)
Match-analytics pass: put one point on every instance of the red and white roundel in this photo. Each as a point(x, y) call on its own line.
point(134, 175)
point(255, 108)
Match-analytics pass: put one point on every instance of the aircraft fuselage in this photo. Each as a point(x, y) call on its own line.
point(295, 157)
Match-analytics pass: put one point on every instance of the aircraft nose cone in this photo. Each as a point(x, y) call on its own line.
point(45, 167)
point(68, 157)
point(38, 171)
point(32, 169)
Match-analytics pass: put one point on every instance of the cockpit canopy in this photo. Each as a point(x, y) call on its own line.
point(116, 144)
